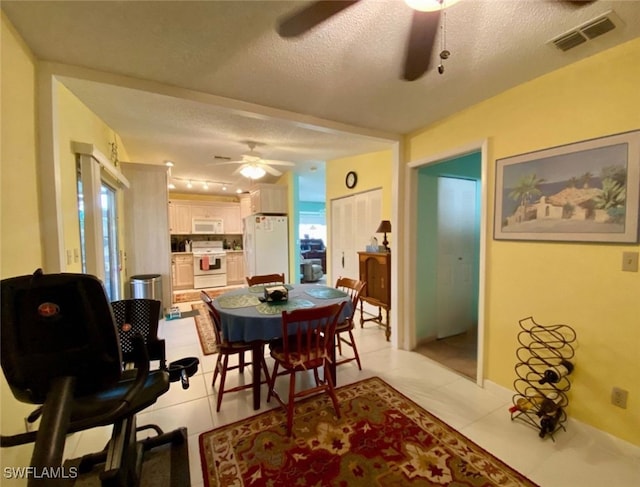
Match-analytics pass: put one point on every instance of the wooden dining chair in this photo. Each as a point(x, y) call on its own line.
point(265, 279)
point(308, 343)
point(353, 288)
point(227, 349)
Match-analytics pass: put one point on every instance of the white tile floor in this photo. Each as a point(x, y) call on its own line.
point(581, 456)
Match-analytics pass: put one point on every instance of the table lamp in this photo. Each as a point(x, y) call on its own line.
point(384, 227)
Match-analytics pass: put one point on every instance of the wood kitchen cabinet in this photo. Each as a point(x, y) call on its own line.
point(375, 270)
point(231, 218)
point(235, 268)
point(182, 212)
point(245, 206)
point(269, 198)
point(204, 210)
point(182, 271)
point(179, 217)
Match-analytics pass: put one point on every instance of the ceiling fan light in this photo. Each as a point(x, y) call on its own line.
point(429, 5)
point(252, 171)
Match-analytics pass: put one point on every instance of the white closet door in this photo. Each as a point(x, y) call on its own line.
point(370, 218)
point(456, 213)
point(341, 244)
point(354, 220)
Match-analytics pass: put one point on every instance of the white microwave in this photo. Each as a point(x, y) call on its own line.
point(206, 226)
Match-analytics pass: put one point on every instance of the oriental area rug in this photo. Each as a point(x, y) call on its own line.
point(204, 326)
point(382, 439)
point(194, 295)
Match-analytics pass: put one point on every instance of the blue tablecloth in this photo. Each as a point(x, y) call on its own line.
point(247, 324)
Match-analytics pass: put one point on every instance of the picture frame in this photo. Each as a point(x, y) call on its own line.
point(581, 192)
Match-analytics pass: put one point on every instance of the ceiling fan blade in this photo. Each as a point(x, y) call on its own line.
point(306, 19)
point(271, 170)
point(277, 163)
point(424, 27)
point(577, 3)
point(224, 163)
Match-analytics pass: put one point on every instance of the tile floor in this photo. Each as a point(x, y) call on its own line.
point(581, 456)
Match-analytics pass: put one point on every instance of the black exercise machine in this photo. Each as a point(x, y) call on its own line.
point(61, 348)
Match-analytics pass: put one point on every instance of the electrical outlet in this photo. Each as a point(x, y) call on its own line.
point(619, 397)
point(630, 261)
point(76, 255)
point(69, 257)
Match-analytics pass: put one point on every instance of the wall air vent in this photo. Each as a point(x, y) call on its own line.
point(587, 31)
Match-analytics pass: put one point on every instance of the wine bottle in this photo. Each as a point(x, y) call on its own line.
point(525, 403)
point(554, 373)
point(549, 423)
point(549, 404)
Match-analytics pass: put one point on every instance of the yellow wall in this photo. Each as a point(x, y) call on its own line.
point(374, 170)
point(20, 235)
point(581, 285)
point(20, 215)
point(20, 239)
point(76, 123)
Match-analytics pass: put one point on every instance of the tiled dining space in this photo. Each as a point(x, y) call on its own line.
point(580, 457)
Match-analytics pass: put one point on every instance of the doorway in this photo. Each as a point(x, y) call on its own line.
point(448, 262)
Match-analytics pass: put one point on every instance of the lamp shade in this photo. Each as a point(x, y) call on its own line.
point(384, 227)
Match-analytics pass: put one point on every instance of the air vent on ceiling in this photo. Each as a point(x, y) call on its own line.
point(587, 31)
point(222, 158)
point(598, 27)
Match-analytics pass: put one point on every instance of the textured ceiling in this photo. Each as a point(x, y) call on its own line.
point(345, 71)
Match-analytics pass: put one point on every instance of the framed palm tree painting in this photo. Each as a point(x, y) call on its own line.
point(586, 192)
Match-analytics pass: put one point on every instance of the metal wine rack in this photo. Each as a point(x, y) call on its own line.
point(541, 347)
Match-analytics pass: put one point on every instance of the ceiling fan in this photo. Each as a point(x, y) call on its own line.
point(253, 166)
point(422, 33)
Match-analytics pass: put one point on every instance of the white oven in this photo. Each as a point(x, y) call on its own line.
point(209, 265)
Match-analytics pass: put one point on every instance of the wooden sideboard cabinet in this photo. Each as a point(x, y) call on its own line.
point(375, 270)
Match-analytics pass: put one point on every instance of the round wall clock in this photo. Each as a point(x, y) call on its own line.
point(351, 180)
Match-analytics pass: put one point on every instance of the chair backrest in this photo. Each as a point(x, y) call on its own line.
point(213, 314)
point(265, 279)
point(57, 325)
point(353, 288)
point(135, 316)
point(310, 333)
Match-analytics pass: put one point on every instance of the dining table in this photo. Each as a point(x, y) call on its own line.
point(245, 317)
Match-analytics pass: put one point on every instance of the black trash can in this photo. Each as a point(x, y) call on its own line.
point(147, 286)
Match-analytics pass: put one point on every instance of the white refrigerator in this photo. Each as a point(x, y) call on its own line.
point(266, 245)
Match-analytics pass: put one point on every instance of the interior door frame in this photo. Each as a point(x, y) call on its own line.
point(410, 235)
